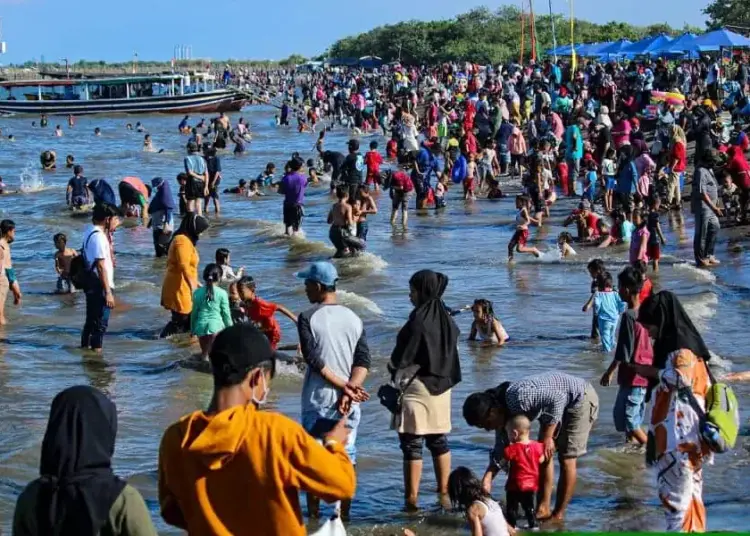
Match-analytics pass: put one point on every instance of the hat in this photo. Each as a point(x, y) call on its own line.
point(320, 272)
point(239, 349)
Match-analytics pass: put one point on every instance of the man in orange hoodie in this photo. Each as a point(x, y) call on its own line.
point(235, 470)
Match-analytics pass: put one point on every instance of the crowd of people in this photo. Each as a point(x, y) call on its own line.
point(592, 134)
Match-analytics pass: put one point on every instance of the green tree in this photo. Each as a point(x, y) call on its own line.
point(727, 13)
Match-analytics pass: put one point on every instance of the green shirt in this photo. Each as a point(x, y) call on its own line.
point(128, 516)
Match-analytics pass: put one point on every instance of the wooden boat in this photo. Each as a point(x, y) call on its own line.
point(120, 95)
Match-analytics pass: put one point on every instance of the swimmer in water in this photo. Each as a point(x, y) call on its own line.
point(139, 127)
point(148, 145)
point(70, 161)
point(486, 327)
point(11, 138)
point(521, 236)
point(58, 131)
point(97, 131)
point(71, 121)
point(63, 257)
point(48, 160)
point(312, 173)
point(129, 126)
point(563, 243)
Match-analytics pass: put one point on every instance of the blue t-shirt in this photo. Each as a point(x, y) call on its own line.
point(195, 163)
point(608, 305)
point(627, 229)
point(573, 148)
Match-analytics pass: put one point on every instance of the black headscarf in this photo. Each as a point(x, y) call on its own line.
point(78, 486)
point(192, 226)
point(676, 330)
point(430, 336)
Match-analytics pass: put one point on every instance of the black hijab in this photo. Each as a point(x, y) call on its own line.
point(430, 336)
point(676, 330)
point(192, 226)
point(78, 486)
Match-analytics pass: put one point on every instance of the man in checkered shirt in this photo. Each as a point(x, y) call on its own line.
point(566, 408)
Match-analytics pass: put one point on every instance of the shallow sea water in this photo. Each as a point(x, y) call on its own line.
point(539, 303)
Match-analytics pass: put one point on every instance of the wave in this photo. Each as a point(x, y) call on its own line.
point(354, 300)
point(701, 308)
point(361, 262)
point(695, 272)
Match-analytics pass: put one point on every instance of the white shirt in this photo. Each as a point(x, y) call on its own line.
point(98, 248)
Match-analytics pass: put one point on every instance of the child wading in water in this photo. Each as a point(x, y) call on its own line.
point(63, 256)
point(228, 276)
point(633, 348)
point(261, 312)
point(486, 327)
point(341, 219)
point(607, 308)
point(595, 267)
point(521, 236)
point(211, 312)
point(563, 243)
point(524, 457)
point(484, 515)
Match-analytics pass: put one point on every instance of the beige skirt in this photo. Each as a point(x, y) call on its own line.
point(4, 288)
point(423, 413)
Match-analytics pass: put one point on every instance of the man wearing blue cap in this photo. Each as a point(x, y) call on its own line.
point(334, 346)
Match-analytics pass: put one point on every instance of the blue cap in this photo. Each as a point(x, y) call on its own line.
point(320, 272)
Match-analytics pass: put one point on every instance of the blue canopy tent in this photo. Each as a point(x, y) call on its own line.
point(647, 46)
point(614, 49)
point(592, 50)
point(719, 39)
point(682, 46)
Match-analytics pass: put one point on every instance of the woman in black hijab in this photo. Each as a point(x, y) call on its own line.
point(77, 492)
point(425, 364)
point(192, 226)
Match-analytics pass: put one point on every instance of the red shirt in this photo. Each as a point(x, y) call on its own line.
point(401, 181)
point(373, 161)
point(392, 149)
point(679, 153)
point(646, 290)
point(261, 313)
point(524, 466)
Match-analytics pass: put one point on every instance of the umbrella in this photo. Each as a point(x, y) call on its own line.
point(721, 39)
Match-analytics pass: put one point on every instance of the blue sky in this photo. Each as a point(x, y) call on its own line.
point(113, 30)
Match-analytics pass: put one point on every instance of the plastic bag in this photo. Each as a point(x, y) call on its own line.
point(332, 527)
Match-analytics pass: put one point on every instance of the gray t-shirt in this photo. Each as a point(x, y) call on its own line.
point(331, 336)
point(704, 183)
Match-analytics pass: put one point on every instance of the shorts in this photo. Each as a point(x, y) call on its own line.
point(129, 195)
point(310, 417)
point(293, 216)
point(194, 189)
point(520, 237)
point(629, 408)
point(400, 199)
point(373, 177)
point(504, 153)
point(78, 201)
point(213, 192)
point(577, 422)
point(468, 185)
point(611, 184)
point(517, 159)
point(653, 251)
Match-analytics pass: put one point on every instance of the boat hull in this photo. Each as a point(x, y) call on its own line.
point(211, 101)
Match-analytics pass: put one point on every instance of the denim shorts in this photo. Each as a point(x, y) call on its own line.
point(630, 406)
point(309, 418)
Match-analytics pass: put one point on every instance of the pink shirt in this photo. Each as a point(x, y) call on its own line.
point(517, 143)
point(621, 133)
point(558, 129)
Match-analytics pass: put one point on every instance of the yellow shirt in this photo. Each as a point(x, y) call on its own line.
point(239, 472)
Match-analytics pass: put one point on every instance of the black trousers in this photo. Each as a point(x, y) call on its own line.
point(525, 499)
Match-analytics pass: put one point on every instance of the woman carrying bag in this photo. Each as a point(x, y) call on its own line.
point(425, 367)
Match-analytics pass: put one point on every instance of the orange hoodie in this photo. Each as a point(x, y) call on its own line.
point(239, 472)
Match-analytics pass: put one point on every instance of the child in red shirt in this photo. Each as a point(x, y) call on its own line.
point(373, 161)
point(524, 457)
point(562, 176)
point(391, 149)
point(260, 312)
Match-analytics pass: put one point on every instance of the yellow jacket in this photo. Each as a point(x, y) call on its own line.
point(182, 271)
point(239, 472)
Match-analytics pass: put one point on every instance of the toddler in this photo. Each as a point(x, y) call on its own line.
point(607, 308)
point(523, 456)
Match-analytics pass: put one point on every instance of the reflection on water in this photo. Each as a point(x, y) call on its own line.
point(538, 301)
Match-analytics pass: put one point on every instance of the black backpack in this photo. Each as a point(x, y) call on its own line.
point(78, 274)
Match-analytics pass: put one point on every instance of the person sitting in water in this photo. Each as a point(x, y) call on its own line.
point(148, 145)
point(134, 196)
point(255, 190)
point(48, 160)
point(240, 189)
point(58, 131)
point(77, 193)
point(486, 327)
point(97, 131)
point(70, 161)
point(139, 127)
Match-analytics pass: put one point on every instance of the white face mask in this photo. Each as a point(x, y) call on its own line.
point(262, 401)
